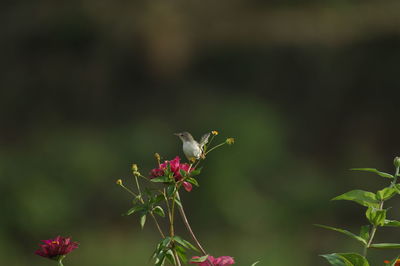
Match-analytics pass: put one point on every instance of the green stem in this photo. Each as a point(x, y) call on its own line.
point(213, 148)
point(372, 234)
point(60, 263)
point(189, 228)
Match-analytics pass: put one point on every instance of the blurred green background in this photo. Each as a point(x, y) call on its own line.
point(308, 89)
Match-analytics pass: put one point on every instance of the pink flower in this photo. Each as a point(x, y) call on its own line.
point(176, 166)
point(220, 261)
point(56, 248)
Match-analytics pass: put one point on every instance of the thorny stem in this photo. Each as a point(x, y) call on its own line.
point(372, 234)
point(189, 228)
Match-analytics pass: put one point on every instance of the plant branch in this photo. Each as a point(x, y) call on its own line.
point(189, 228)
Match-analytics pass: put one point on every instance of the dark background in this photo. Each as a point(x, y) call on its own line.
point(308, 89)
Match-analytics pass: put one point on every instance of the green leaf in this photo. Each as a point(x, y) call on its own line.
point(183, 172)
point(375, 216)
point(336, 260)
point(181, 253)
point(170, 256)
point(158, 210)
point(161, 179)
point(346, 259)
point(373, 170)
point(199, 259)
point(386, 193)
point(195, 172)
point(192, 181)
point(392, 223)
point(364, 232)
point(255, 263)
point(134, 209)
point(142, 220)
point(178, 202)
point(365, 198)
point(184, 243)
point(385, 245)
point(171, 190)
point(355, 259)
point(348, 233)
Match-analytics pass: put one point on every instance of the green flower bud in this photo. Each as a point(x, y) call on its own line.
point(396, 161)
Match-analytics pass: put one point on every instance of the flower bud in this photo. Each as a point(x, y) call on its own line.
point(135, 167)
point(396, 161)
point(157, 156)
point(119, 182)
point(214, 132)
point(230, 141)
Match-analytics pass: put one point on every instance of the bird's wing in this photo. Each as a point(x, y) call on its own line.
point(204, 140)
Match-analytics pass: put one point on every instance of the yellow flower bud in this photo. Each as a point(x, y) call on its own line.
point(119, 182)
point(135, 167)
point(214, 132)
point(230, 141)
point(157, 156)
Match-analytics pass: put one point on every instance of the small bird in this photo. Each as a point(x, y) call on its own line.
point(192, 149)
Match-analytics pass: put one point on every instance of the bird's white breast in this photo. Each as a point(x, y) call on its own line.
point(191, 149)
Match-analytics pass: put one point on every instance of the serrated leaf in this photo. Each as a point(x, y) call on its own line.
point(364, 232)
point(386, 193)
point(158, 210)
point(199, 259)
point(375, 216)
point(142, 220)
point(134, 209)
point(365, 198)
point(161, 179)
point(373, 170)
point(392, 223)
point(348, 233)
point(385, 245)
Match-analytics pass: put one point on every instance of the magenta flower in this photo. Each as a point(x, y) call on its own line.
point(220, 261)
point(56, 248)
point(175, 167)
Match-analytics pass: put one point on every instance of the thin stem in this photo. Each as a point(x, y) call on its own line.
point(189, 228)
point(137, 185)
point(60, 263)
point(142, 201)
point(157, 225)
point(372, 233)
point(213, 148)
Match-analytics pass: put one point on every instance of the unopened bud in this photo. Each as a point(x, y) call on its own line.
point(214, 132)
point(135, 167)
point(119, 182)
point(230, 141)
point(157, 156)
point(396, 161)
